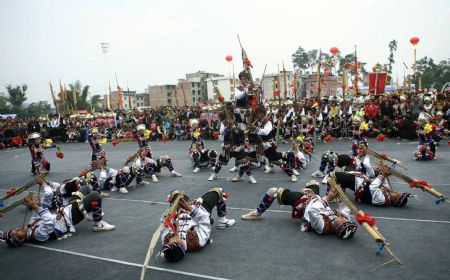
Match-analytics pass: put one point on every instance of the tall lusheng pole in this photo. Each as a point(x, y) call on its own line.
point(285, 82)
point(356, 73)
point(54, 98)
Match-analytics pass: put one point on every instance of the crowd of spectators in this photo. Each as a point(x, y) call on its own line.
point(393, 115)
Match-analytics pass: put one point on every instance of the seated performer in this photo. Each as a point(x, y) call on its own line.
point(375, 191)
point(145, 164)
point(361, 162)
point(307, 205)
point(204, 158)
point(39, 164)
point(45, 225)
point(246, 161)
point(264, 130)
point(191, 229)
point(359, 128)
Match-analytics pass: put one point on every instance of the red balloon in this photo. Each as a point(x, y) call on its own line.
point(414, 40)
point(228, 58)
point(334, 50)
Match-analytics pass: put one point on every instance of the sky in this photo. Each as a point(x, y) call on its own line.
point(157, 42)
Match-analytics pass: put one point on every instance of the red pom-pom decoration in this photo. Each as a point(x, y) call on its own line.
point(228, 58)
point(414, 40)
point(334, 50)
point(94, 203)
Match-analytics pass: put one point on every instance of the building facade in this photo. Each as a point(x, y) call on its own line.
point(329, 87)
point(126, 100)
point(225, 86)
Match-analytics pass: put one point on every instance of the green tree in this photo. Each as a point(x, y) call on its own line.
point(431, 74)
point(4, 108)
point(41, 108)
point(392, 49)
point(81, 94)
point(96, 102)
point(16, 96)
point(312, 58)
point(300, 59)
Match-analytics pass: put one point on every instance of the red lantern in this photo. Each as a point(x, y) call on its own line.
point(334, 50)
point(228, 58)
point(414, 40)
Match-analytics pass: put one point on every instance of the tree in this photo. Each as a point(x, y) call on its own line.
point(300, 59)
point(16, 96)
point(312, 58)
point(81, 95)
point(392, 49)
point(96, 102)
point(432, 74)
point(41, 108)
point(4, 108)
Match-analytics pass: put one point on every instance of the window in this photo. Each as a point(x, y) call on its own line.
point(193, 92)
point(193, 84)
point(311, 84)
point(193, 99)
point(169, 101)
point(198, 92)
point(169, 94)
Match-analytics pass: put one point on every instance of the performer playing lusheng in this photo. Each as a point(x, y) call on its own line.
point(191, 229)
point(307, 205)
point(39, 164)
point(375, 191)
point(45, 225)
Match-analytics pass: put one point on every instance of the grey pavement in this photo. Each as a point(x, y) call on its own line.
point(273, 248)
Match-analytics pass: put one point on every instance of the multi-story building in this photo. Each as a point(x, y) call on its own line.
point(161, 95)
point(142, 100)
point(225, 86)
point(329, 87)
point(127, 102)
point(199, 88)
point(272, 83)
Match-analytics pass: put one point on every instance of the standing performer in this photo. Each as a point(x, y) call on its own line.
point(307, 205)
point(39, 164)
point(359, 128)
point(426, 149)
point(190, 230)
point(97, 151)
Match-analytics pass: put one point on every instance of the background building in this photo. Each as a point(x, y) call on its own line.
point(161, 95)
point(225, 86)
point(329, 87)
point(128, 100)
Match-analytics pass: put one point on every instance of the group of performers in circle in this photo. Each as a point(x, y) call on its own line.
point(249, 138)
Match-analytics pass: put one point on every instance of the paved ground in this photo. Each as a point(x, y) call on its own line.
point(273, 248)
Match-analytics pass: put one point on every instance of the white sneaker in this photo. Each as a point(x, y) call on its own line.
point(318, 174)
point(325, 179)
point(103, 226)
point(196, 170)
point(236, 179)
point(294, 178)
point(295, 172)
point(154, 179)
point(123, 190)
point(175, 174)
point(268, 170)
point(252, 180)
point(234, 169)
point(114, 189)
point(212, 177)
point(225, 223)
point(251, 216)
point(104, 195)
point(142, 184)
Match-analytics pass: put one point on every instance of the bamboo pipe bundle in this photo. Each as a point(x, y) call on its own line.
point(21, 189)
point(13, 205)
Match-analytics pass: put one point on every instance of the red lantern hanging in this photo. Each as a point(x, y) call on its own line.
point(334, 50)
point(228, 58)
point(414, 40)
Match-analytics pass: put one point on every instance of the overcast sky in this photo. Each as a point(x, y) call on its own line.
point(156, 42)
